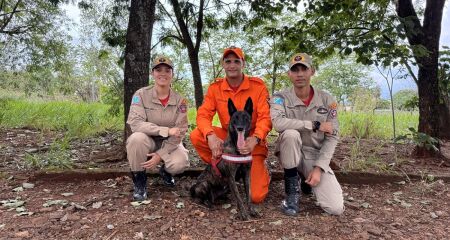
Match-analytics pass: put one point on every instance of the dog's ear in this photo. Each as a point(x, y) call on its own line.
point(249, 106)
point(231, 108)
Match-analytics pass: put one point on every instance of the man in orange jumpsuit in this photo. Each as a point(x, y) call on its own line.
point(208, 140)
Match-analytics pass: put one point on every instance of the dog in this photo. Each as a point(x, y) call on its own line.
point(215, 182)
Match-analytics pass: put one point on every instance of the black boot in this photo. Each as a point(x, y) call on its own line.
point(306, 188)
point(140, 185)
point(291, 188)
point(166, 177)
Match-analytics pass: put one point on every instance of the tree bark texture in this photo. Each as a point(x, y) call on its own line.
point(137, 51)
point(427, 36)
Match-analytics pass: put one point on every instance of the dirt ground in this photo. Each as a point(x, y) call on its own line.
point(102, 209)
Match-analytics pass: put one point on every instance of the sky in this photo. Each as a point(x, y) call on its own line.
point(73, 13)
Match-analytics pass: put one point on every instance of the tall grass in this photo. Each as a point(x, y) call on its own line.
point(87, 119)
point(376, 125)
point(76, 119)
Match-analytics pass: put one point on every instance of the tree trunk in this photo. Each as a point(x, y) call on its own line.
point(428, 85)
point(192, 49)
point(195, 66)
point(137, 51)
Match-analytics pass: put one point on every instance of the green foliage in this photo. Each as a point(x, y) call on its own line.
point(383, 104)
point(364, 99)
point(37, 53)
point(420, 139)
point(406, 99)
point(411, 104)
point(57, 157)
point(342, 77)
point(444, 71)
point(76, 119)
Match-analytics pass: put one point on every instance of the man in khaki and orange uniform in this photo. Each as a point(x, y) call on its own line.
point(208, 140)
point(306, 119)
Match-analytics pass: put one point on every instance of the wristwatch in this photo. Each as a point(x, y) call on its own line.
point(316, 126)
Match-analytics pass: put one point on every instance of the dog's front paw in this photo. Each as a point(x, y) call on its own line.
point(254, 211)
point(244, 216)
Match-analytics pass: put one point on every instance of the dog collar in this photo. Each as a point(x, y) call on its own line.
point(237, 158)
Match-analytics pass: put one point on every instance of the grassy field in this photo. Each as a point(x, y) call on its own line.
point(76, 119)
point(87, 119)
point(376, 125)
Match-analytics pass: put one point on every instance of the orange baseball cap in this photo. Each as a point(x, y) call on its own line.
point(235, 50)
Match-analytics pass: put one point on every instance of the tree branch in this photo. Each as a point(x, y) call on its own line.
point(183, 27)
point(166, 37)
point(8, 20)
point(171, 19)
point(198, 38)
point(405, 11)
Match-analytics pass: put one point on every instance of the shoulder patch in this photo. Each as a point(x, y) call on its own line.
point(183, 106)
point(278, 99)
point(333, 106)
point(135, 100)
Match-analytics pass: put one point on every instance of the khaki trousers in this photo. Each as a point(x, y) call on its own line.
point(139, 145)
point(293, 154)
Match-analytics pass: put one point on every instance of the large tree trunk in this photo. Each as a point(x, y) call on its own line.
point(137, 51)
point(428, 36)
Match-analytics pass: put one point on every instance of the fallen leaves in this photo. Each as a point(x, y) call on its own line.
point(139, 203)
point(55, 202)
point(12, 203)
point(97, 205)
point(180, 205)
point(152, 217)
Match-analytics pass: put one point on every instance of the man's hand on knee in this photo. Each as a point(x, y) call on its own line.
point(154, 160)
point(314, 177)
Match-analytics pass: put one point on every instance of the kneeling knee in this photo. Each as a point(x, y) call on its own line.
point(290, 134)
point(334, 210)
point(136, 138)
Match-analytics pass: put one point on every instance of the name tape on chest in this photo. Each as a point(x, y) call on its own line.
point(322, 110)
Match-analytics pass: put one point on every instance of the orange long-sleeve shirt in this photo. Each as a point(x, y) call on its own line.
point(216, 100)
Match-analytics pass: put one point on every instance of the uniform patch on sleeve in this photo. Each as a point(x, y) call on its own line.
point(183, 106)
point(333, 106)
point(333, 113)
point(278, 100)
point(135, 100)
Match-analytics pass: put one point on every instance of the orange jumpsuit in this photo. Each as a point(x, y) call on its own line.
point(216, 100)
